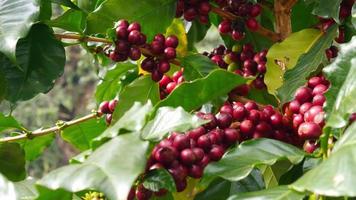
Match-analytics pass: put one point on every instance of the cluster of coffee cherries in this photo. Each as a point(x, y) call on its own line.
point(108, 108)
point(168, 84)
point(331, 52)
point(94, 196)
point(306, 111)
point(162, 50)
point(246, 12)
point(127, 43)
point(243, 61)
point(194, 9)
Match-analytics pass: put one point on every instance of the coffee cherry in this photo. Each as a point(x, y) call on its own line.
point(156, 166)
point(123, 23)
point(309, 130)
point(157, 47)
point(172, 41)
point(142, 193)
point(181, 141)
point(179, 172)
point(204, 8)
point(227, 109)
point(225, 27)
point(231, 136)
point(199, 153)
point(204, 142)
point(135, 26)
point(196, 133)
point(310, 146)
point(312, 113)
point(252, 24)
point(303, 94)
point(314, 81)
point(251, 105)
point(170, 87)
point(319, 99)
point(263, 127)
point(255, 10)
point(181, 185)
point(276, 120)
point(112, 104)
point(216, 153)
point(247, 127)
point(239, 112)
point(195, 171)
point(170, 53)
point(135, 53)
point(305, 107)
point(159, 38)
point(205, 161)
point(164, 81)
point(224, 120)
point(319, 89)
point(121, 32)
point(104, 107)
point(108, 119)
point(297, 120)
point(237, 35)
point(254, 115)
point(188, 157)
point(131, 195)
point(156, 75)
point(165, 155)
point(163, 66)
point(134, 37)
point(294, 106)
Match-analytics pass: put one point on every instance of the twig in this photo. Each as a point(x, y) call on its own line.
point(82, 38)
point(282, 10)
point(288, 4)
point(261, 30)
point(60, 126)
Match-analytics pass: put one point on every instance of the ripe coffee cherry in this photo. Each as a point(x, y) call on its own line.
point(227, 108)
point(164, 81)
point(157, 47)
point(159, 38)
point(112, 104)
point(254, 115)
point(142, 193)
point(309, 130)
point(297, 120)
point(215, 137)
point(104, 107)
point(305, 107)
point(199, 153)
point(121, 32)
point(216, 153)
point(314, 81)
point(165, 143)
point(131, 195)
point(134, 27)
point(148, 64)
point(179, 172)
point(196, 133)
point(261, 68)
point(213, 122)
point(252, 24)
point(294, 106)
point(108, 119)
point(319, 99)
point(176, 75)
point(239, 112)
point(224, 120)
point(156, 75)
point(195, 171)
point(170, 87)
point(303, 94)
point(251, 105)
point(166, 155)
point(205, 161)
point(204, 142)
point(268, 110)
point(181, 185)
point(134, 37)
point(225, 27)
point(181, 141)
point(204, 8)
point(263, 127)
point(172, 41)
point(135, 53)
point(170, 53)
point(190, 14)
point(319, 89)
point(163, 66)
point(247, 127)
point(255, 10)
point(310, 146)
point(231, 136)
point(276, 119)
point(237, 35)
point(188, 157)
point(310, 115)
point(123, 23)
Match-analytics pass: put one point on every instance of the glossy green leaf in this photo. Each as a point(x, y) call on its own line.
point(17, 17)
point(306, 65)
point(197, 66)
point(26, 189)
point(328, 9)
point(47, 194)
point(262, 97)
point(192, 95)
point(133, 120)
point(7, 189)
point(41, 60)
point(67, 3)
point(35, 147)
point(159, 179)
point(154, 16)
point(111, 169)
point(336, 175)
point(8, 122)
point(196, 33)
point(89, 5)
point(284, 55)
point(272, 174)
point(12, 161)
point(348, 138)
point(177, 28)
point(340, 98)
point(140, 90)
point(109, 87)
point(302, 17)
point(170, 119)
point(276, 193)
point(71, 20)
point(45, 10)
point(238, 163)
point(81, 135)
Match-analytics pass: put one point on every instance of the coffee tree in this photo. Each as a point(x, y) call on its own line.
point(267, 114)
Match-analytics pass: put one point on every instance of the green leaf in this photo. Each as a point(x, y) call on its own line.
point(34, 147)
point(159, 179)
point(45, 10)
point(276, 193)
point(177, 28)
point(197, 66)
point(41, 60)
point(17, 17)
point(8, 122)
point(67, 3)
point(335, 176)
point(81, 135)
point(71, 20)
point(133, 120)
point(12, 161)
point(170, 119)
point(353, 16)
point(302, 17)
point(192, 95)
point(196, 33)
point(284, 55)
point(4, 86)
point(238, 163)
point(328, 9)
point(340, 98)
point(272, 174)
point(262, 97)
point(154, 16)
point(7, 190)
point(111, 84)
point(26, 189)
point(111, 169)
point(140, 90)
point(47, 194)
point(306, 65)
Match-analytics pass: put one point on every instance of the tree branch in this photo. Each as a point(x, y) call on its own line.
point(275, 37)
point(282, 10)
point(41, 132)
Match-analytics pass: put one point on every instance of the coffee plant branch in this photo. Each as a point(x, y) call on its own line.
point(41, 132)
